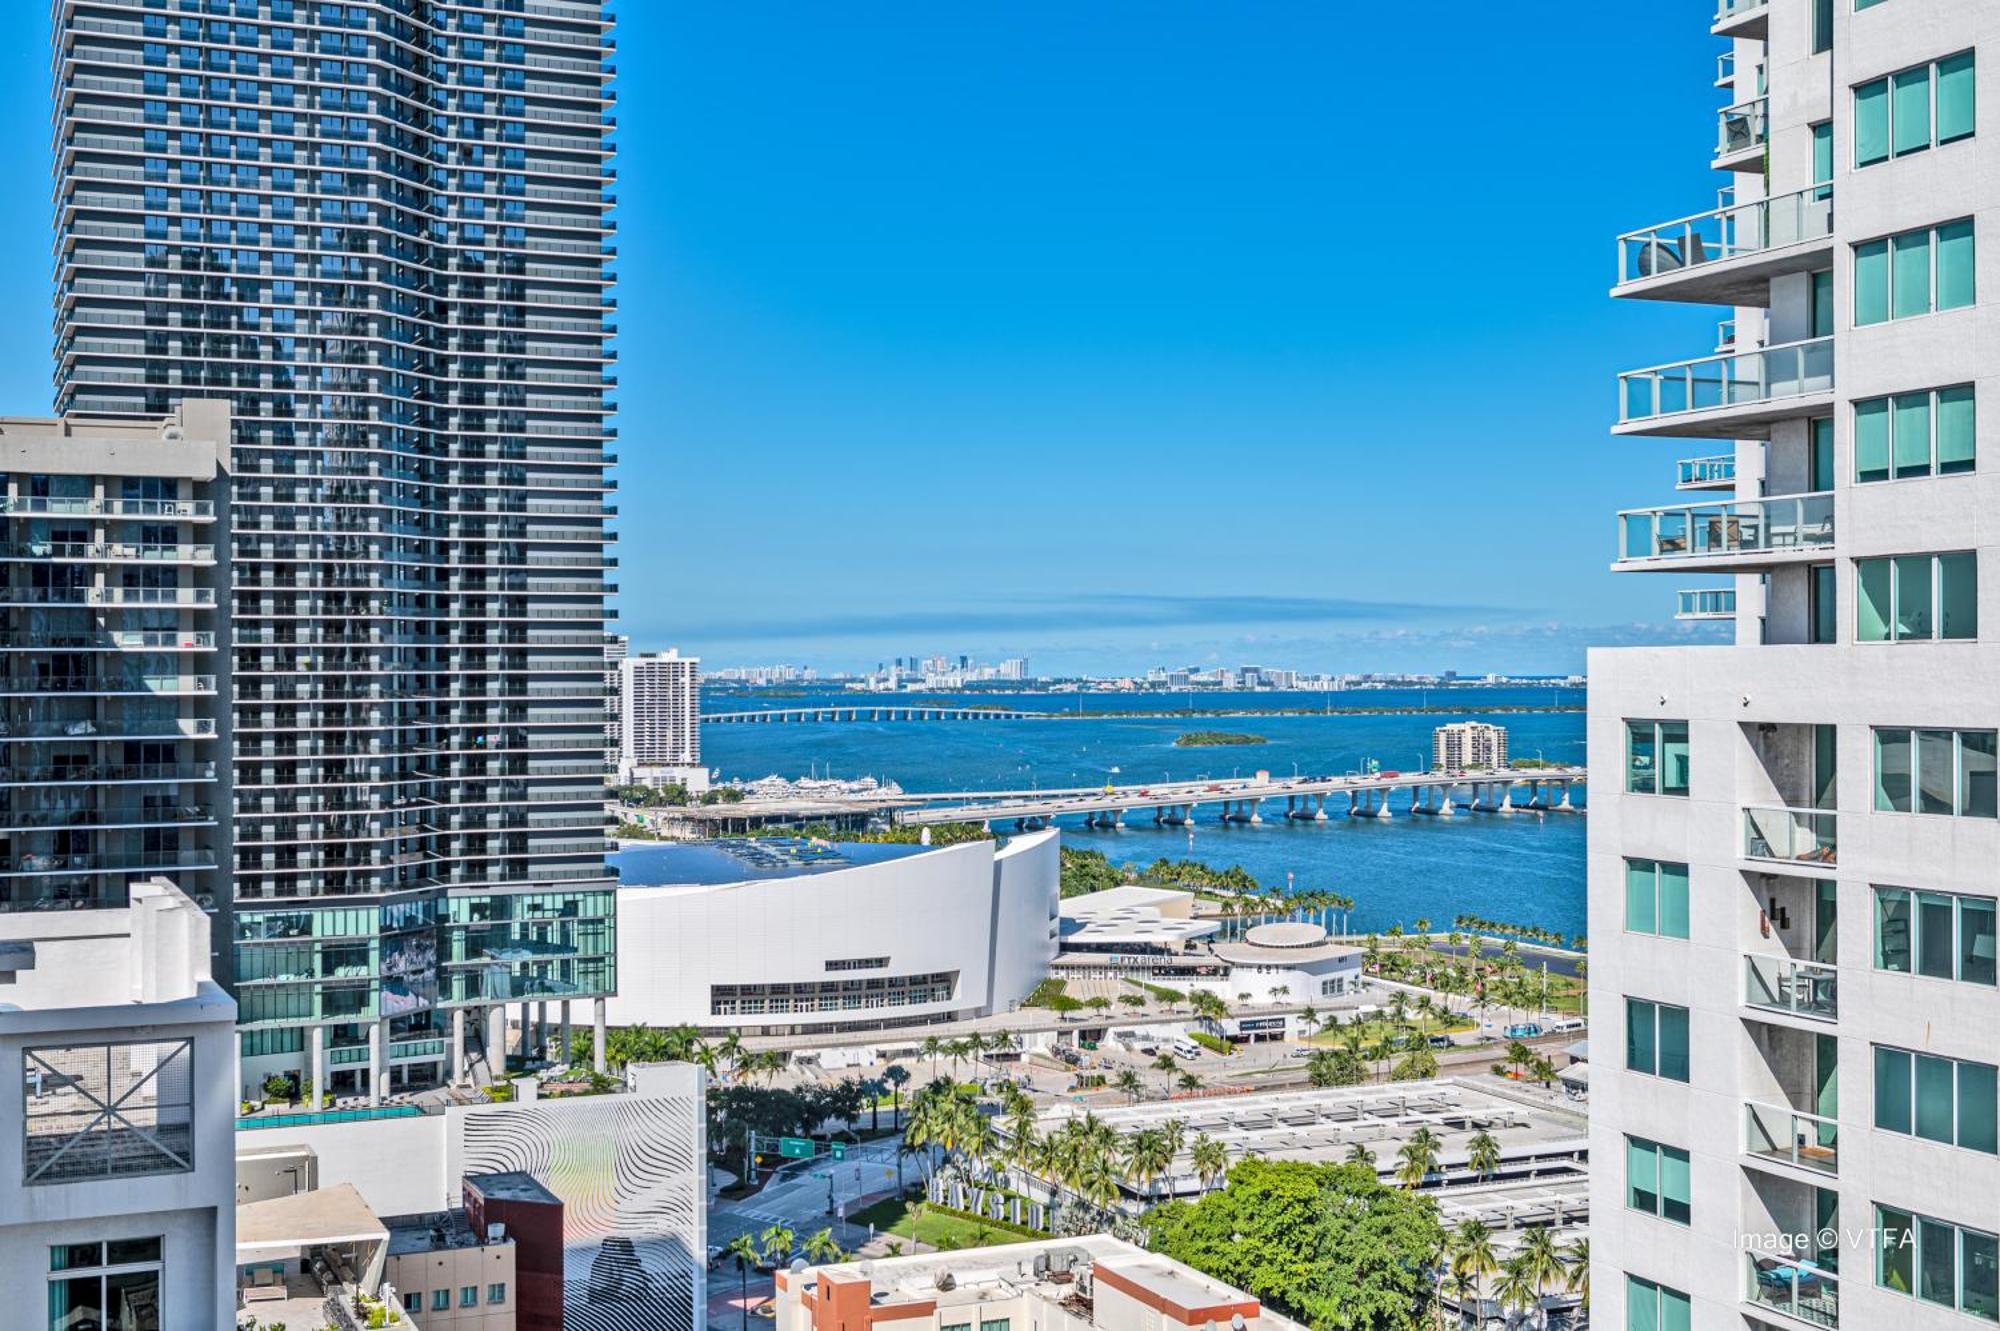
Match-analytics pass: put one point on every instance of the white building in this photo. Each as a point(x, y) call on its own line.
point(1464, 745)
point(616, 648)
point(852, 938)
point(1793, 837)
point(117, 1110)
point(1049, 1285)
point(659, 715)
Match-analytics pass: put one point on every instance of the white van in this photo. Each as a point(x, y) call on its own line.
point(1186, 1048)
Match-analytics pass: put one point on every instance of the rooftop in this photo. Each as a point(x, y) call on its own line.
point(1058, 1271)
point(513, 1186)
point(749, 859)
point(431, 1232)
point(324, 1215)
point(1538, 1141)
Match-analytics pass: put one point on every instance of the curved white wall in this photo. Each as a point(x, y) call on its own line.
point(989, 918)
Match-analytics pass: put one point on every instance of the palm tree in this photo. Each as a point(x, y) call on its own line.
point(822, 1247)
point(1187, 1081)
point(896, 1074)
point(931, 1048)
point(1542, 1070)
point(1166, 1063)
point(777, 1241)
point(1485, 1155)
point(1147, 1157)
point(1210, 1159)
point(1128, 1082)
point(1542, 1262)
point(1419, 1157)
point(872, 1090)
point(1576, 1271)
point(744, 1249)
point(1472, 1251)
point(1516, 1288)
point(1359, 1154)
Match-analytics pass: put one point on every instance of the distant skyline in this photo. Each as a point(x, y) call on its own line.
point(1114, 335)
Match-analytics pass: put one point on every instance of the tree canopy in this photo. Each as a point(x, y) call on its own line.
point(1329, 1245)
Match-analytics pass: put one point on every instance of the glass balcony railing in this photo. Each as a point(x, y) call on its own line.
point(1706, 603)
point(1791, 1136)
point(1793, 836)
point(1739, 379)
point(1742, 127)
point(1799, 1288)
point(1726, 10)
point(1802, 988)
point(1705, 473)
point(1726, 233)
point(1743, 526)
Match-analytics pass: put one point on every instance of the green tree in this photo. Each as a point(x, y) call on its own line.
point(1329, 1245)
point(821, 1246)
point(778, 1242)
point(1334, 1067)
point(1128, 1082)
point(1210, 1159)
point(744, 1249)
point(1484, 1154)
point(1417, 1158)
point(896, 1075)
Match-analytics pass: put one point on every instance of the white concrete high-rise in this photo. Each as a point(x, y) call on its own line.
point(1464, 744)
point(117, 1158)
point(659, 710)
point(1793, 836)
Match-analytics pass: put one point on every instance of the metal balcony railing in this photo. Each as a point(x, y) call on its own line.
point(1706, 603)
point(1742, 127)
point(1801, 988)
point(1799, 1288)
point(1792, 836)
point(1705, 473)
point(1736, 379)
point(1791, 1136)
point(1727, 233)
point(1743, 526)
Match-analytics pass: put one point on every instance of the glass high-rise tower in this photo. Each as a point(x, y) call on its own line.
point(378, 229)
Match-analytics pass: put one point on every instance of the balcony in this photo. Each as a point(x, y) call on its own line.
point(1728, 256)
point(1741, 132)
point(1733, 396)
point(1794, 988)
point(1791, 1137)
point(1706, 603)
point(1744, 535)
point(1709, 473)
point(1798, 1288)
point(1742, 18)
point(1802, 838)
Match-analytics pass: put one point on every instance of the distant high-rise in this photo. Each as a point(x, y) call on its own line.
point(1467, 744)
point(378, 230)
point(660, 712)
point(616, 648)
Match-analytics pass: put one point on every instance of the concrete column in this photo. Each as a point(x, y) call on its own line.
point(1254, 817)
point(542, 1029)
point(496, 1041)
point(1319, 808)
point(565, 1032)
point(597, 1034)
point(457, 1046)
point(316, 1038)
point(378, 1063)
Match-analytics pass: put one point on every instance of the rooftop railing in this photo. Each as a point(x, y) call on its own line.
point(1727, 233)
point(1747, 378)
point(1791, 1136)
point(1701, 473)
point(1743, 526)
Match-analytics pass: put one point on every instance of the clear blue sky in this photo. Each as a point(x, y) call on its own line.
point(1113, 334)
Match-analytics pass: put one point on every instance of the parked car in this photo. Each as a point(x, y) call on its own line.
point(1523, 1030)
point(1441, 1042)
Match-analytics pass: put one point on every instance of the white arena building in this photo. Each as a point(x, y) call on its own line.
point(788, 938)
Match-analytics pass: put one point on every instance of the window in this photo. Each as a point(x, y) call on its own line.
point(1936, 934)
point(1821, 305)
point(993, 1324)
point(101, 1283)
point(1823, 623)
point(1820, 464)
point(1651, 1307)
point(1822, 159)
point(1912, 109)
point(1901, 276)
point(1822, 26)
point(440, 1300)
point(108, 1111)
point(468, 1296)
point(1914, 597)
point(1656, 1180)
point(1656, 898)
point(1940, 1099)
point(1656, 757)
point(413, 1301)
point(1656, 1039)
point(1934, 771)
point(1914, 434)
point(1934, 1260)
point(496, 1293)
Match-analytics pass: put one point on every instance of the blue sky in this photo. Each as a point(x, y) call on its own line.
point(1117, 333)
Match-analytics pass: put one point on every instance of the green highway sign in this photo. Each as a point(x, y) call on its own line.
point(839, 1150)
point(796, 1148)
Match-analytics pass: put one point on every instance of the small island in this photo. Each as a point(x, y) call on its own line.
point(1203, 739)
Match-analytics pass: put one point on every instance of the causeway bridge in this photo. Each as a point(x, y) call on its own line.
point(1306, 799)
point(865, 712)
